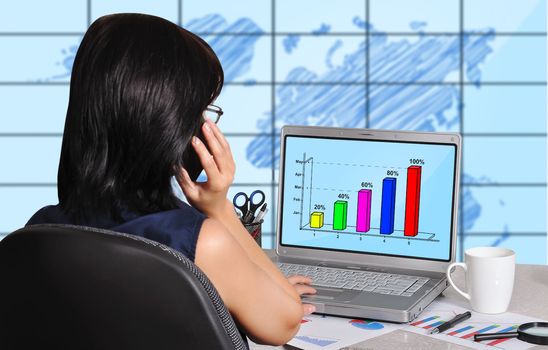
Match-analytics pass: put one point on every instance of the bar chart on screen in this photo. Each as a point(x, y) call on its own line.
point(349, 211)
point(376, 197)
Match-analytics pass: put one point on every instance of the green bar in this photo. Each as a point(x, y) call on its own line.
point(339, 215)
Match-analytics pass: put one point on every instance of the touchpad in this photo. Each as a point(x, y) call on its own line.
point(333, 294)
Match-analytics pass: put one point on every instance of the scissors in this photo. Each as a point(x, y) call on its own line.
point(250, 205)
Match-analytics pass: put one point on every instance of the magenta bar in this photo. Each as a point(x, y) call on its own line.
point(364, 211)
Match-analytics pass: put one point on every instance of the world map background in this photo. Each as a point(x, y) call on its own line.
point(474, 67)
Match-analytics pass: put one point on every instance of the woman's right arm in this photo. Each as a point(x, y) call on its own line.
point(210, 198)
point(260, 298)
point(268, 314)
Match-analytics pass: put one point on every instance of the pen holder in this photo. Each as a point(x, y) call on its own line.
point(255, 230)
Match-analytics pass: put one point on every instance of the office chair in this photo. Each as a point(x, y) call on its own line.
point(74, 287)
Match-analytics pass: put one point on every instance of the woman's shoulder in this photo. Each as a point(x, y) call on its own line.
point(187, 209)
point(177, 228)
point(50, 214)
point(184, 216)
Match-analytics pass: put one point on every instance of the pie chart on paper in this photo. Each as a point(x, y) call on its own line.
point(369, 325)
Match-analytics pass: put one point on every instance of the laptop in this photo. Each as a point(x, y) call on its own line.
point(370, 216)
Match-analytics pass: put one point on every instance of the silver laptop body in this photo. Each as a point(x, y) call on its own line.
point(371, 215)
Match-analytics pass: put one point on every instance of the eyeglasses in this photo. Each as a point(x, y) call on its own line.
point(214, 113)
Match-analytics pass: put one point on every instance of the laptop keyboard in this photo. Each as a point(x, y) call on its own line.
point(375, 282)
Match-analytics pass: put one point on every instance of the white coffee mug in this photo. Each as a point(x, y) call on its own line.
point(489, 276)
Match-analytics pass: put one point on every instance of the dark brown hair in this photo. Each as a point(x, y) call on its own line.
point(138, 89)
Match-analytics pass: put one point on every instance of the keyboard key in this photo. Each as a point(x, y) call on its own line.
point(349, 285)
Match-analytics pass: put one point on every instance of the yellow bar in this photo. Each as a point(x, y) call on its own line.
point(316, 219)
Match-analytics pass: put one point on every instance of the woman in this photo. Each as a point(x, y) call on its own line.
point(140, 88)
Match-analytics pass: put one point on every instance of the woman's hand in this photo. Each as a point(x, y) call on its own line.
point(211, 196)
point(302, 286)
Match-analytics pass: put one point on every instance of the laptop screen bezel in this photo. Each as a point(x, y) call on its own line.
point(369, 258)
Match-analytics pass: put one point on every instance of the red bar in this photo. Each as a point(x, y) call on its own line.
point(412, 201)
point(423, 321)
point(498, 341)
point(469, 335)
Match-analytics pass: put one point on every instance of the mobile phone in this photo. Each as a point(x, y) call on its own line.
point(191, 161)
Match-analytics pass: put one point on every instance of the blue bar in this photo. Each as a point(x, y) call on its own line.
point(463, 329)
point(470, 335)
point(423, 321)
point(435, 324)
point(388, 205)
point(487, 328)
point(509, 329)
point(429, 319)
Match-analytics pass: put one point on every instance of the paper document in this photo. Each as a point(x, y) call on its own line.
point(328, 332)
point(463, 333)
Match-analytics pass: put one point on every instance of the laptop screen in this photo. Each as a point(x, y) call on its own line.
point(392, 198)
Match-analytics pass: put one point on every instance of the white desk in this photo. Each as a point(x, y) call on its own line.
point(530, 298)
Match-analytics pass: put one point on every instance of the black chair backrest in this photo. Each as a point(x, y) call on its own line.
point(73, 287)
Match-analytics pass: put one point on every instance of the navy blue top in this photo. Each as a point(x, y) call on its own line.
point(176, 228)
